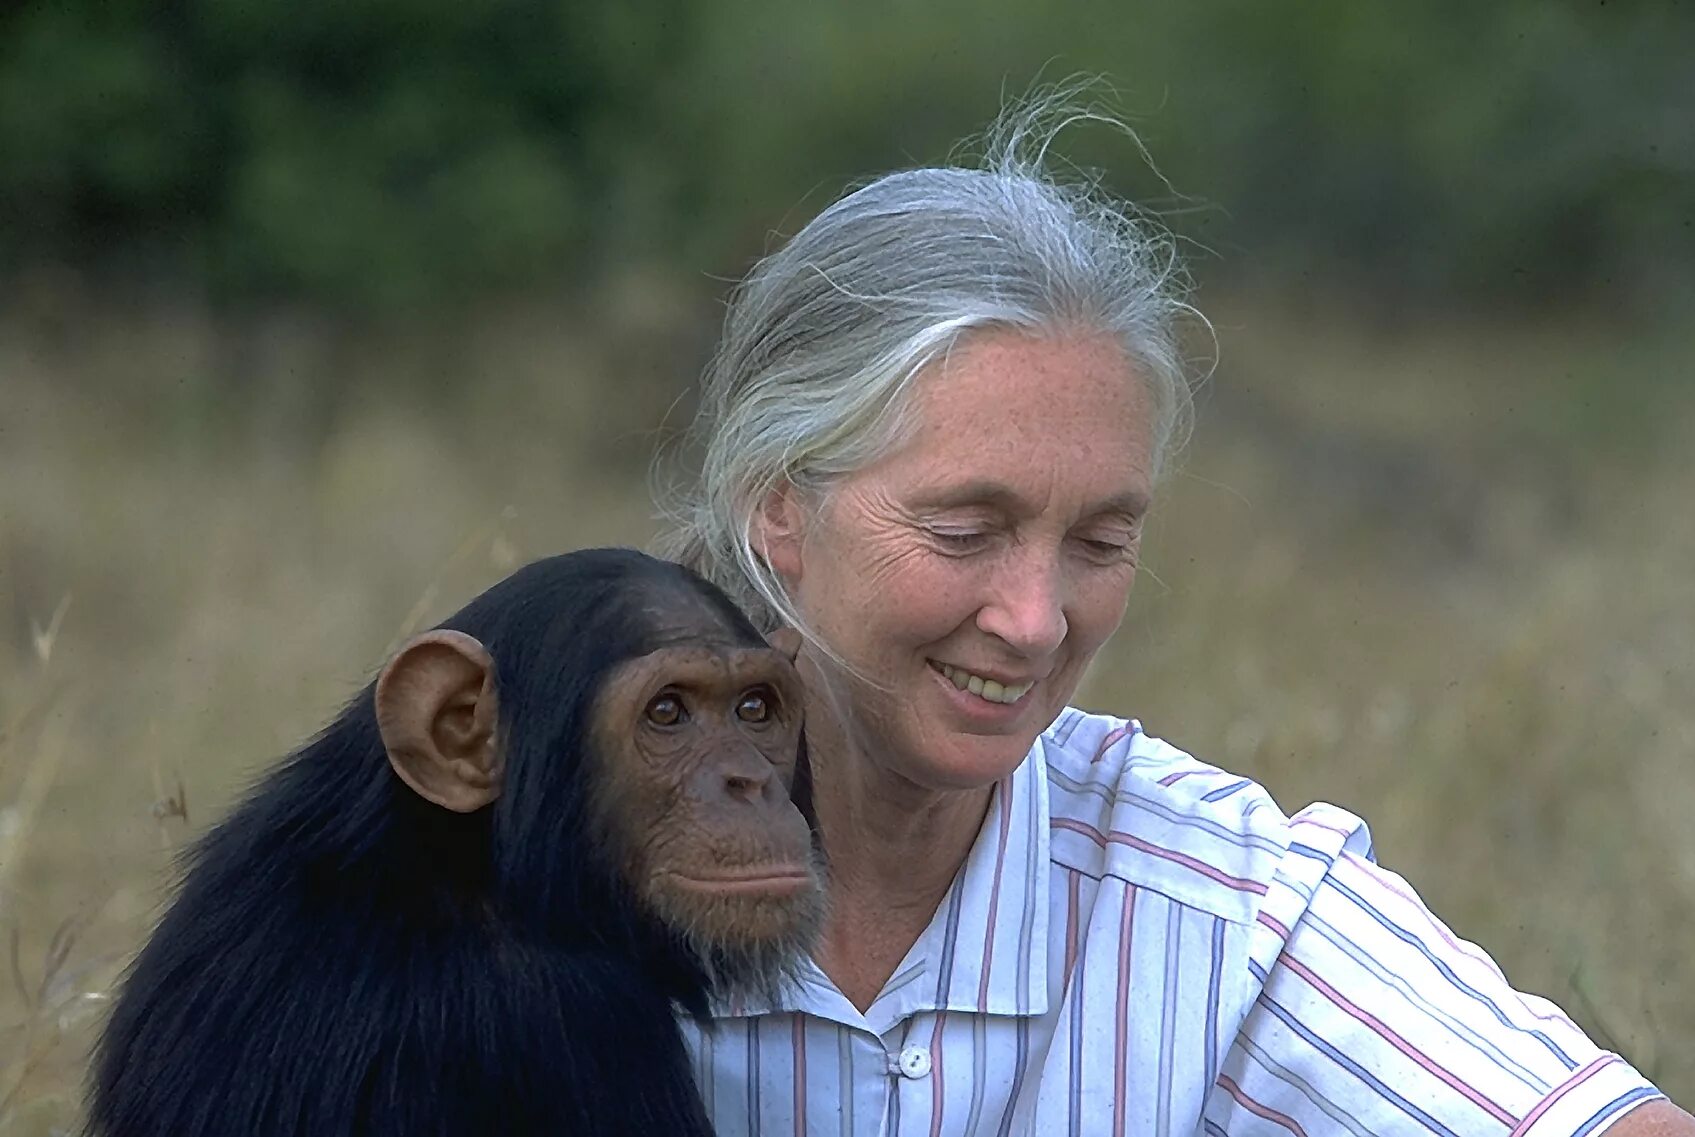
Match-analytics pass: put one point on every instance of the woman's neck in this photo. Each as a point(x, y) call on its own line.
point(893, 848)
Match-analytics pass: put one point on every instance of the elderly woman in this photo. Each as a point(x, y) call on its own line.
point(932, 434)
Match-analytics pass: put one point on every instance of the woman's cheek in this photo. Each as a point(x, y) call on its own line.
point(956, 585)
point(1105, 597)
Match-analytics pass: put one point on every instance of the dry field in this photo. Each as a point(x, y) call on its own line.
point(1437, 573)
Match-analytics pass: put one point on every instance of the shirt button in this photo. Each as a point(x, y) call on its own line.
point(915, 1062)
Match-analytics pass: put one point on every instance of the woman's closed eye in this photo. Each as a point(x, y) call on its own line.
point(959, 542)
point(1109, 550)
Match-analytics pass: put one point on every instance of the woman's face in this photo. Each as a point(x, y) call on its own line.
point(972, 573)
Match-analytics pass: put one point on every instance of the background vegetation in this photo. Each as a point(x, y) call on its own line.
point(316, 318)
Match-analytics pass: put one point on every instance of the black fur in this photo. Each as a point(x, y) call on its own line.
point(347, 959)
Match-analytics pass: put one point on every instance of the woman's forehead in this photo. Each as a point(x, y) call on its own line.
point(1058, 371)
point(1005, 408)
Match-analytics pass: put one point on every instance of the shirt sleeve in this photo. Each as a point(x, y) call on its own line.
point(1373, 1018)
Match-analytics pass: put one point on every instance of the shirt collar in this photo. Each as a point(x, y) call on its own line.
point(985, 949)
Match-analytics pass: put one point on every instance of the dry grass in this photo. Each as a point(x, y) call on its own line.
point(1410, 572)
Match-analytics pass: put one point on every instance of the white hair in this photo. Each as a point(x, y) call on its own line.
point(812, 378)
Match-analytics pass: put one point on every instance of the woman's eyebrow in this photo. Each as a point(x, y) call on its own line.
point(999, 495)
point(978, 491)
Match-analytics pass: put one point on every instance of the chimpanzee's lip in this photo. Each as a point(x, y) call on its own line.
point(761, 880)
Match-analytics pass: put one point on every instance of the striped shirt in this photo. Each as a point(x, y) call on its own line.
point(1139, 943)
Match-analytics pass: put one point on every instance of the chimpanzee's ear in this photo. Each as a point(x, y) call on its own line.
point(438, 716)
point(786, 640)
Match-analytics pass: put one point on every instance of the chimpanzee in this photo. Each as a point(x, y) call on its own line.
point(476, 903)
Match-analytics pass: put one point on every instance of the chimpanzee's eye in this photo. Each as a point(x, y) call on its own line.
point(755, 706)
point(665, 710)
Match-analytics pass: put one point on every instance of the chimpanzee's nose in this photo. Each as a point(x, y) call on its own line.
point(741, 777)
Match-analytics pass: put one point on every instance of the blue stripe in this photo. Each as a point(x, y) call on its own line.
point(1017, 1076)
point(1641, 1093)
point(1296, 1080)
point(902, 981)
point(1033, 864)
point(894, 1083)
point(950, 941)
point(1223, 792)
point(1168, 1013)
point(1075, 1097)
point(1306, 895)
point(1370, 964)
point(1122, 795)
point(1188, 821)
point(1355, 1068)
point(1309, 851)
point(753, 1075)
point(1447, 972)
point(1069, 720)
point(979, 1064)
point(1217, 975)
point(848, 1087)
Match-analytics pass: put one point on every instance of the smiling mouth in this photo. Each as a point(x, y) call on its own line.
point(989, 690)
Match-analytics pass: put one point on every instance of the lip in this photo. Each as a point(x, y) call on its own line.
point(734, 884)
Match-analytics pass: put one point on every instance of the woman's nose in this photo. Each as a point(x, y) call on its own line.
point(1027, 606)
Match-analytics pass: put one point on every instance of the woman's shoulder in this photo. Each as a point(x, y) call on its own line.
point(1123, 803)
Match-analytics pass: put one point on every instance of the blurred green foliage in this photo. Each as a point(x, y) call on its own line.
point(392, 153)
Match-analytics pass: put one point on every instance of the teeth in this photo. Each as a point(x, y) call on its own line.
point(983, 688)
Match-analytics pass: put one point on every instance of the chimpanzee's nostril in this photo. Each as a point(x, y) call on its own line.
point(744, 788)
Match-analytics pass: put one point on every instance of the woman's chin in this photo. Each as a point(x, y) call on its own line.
point(970, 761)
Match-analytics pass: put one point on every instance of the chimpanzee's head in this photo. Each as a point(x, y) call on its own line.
point(632, 740)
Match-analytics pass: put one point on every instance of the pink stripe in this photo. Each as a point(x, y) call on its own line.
point(1117, 838)
point(1274, 924)
point(800, 1075)
point(1259, 1110)
point(1107, 742)
point(1071, 901)
point(1396, 1040)
point(1470, 951)
point(1173, 779)
point(995, 896)
point(1126, 924)
point(1570, 1084)
point(937, 1097)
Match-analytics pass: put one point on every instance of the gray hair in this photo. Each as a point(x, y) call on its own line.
point(812, 377)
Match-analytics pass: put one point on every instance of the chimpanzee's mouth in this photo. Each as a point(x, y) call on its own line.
point(763, 881)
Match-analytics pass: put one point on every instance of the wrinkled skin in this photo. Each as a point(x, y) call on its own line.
point(698, 745)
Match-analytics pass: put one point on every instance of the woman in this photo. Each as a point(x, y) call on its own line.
point(932, 432)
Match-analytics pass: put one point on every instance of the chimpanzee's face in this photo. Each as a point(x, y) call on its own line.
point(696, 745)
